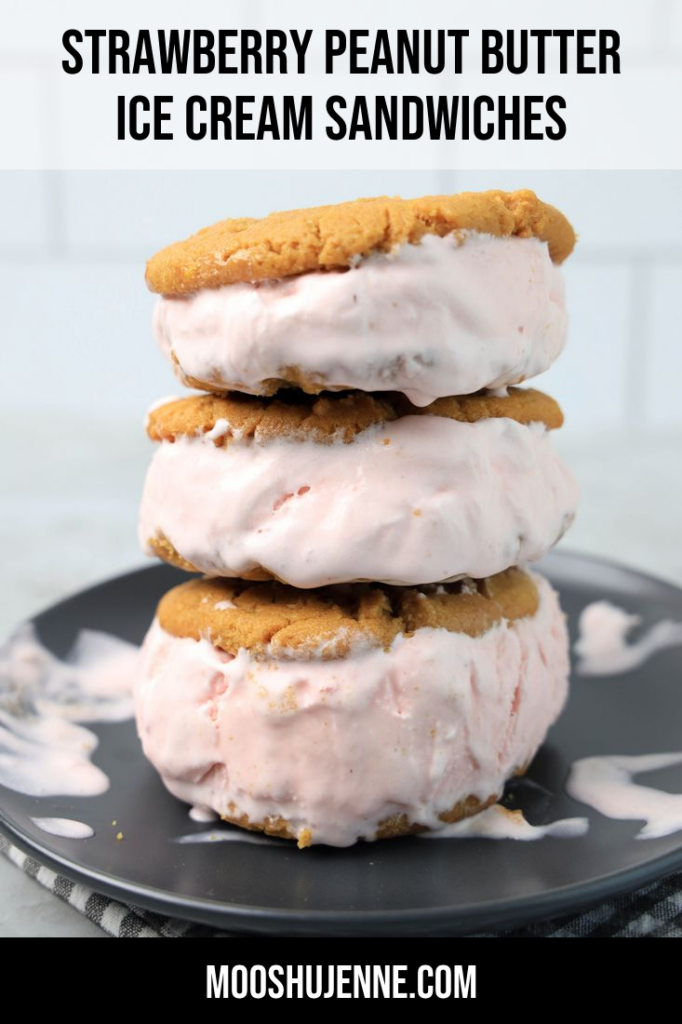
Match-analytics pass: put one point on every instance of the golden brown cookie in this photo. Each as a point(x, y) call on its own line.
point(333, 417)
point(274, 620)
point(525, 405)
point(291, 414)
point(332, 237)
point(166, 551)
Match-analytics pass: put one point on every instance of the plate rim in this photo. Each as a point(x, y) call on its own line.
point(507, 913)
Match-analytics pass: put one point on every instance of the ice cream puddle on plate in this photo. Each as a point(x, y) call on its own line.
point(497, 822)
point(44, 751)
point(606, 784)
point(67, 828)
point(229, 835)
point(603, 648)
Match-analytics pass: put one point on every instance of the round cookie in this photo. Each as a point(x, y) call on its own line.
point(349, 713)
point(319, 491)
point(331, 237)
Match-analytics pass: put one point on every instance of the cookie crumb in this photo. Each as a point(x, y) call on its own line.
point(305, 838)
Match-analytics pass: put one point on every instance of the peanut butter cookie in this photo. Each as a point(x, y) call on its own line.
point(332, 237)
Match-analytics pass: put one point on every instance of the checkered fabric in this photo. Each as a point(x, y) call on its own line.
point(652, 912)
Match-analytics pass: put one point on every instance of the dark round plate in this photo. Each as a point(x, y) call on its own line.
point(402, 887)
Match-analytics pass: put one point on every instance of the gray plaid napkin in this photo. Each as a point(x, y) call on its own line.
point(653, 912)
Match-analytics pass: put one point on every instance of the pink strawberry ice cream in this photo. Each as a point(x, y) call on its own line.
point(337, 747)
point(417, 500)
point(448, 316)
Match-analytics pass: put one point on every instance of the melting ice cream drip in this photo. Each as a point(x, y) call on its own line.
point(227, 836)
point(605, 783)
point(203, 814)
point(494, 823)
point(43, 751)
point(498, 822)
point(67, 828)
point(602, 645)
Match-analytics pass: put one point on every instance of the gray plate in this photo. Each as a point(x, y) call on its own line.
point(401, 887)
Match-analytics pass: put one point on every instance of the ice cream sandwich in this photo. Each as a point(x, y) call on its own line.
point(358, 712)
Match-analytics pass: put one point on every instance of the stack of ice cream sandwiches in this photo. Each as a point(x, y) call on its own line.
point(360, 486)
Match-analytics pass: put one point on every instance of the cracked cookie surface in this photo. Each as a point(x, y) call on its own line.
point(294, 242)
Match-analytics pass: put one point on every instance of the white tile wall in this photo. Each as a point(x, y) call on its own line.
point(76, 337)
point(146, 210)
point(24, 213)
point(24, 77)
point(615, 213)
point(590, 380)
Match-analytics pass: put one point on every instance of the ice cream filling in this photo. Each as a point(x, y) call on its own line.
point(448, 316)
point(421, 499)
